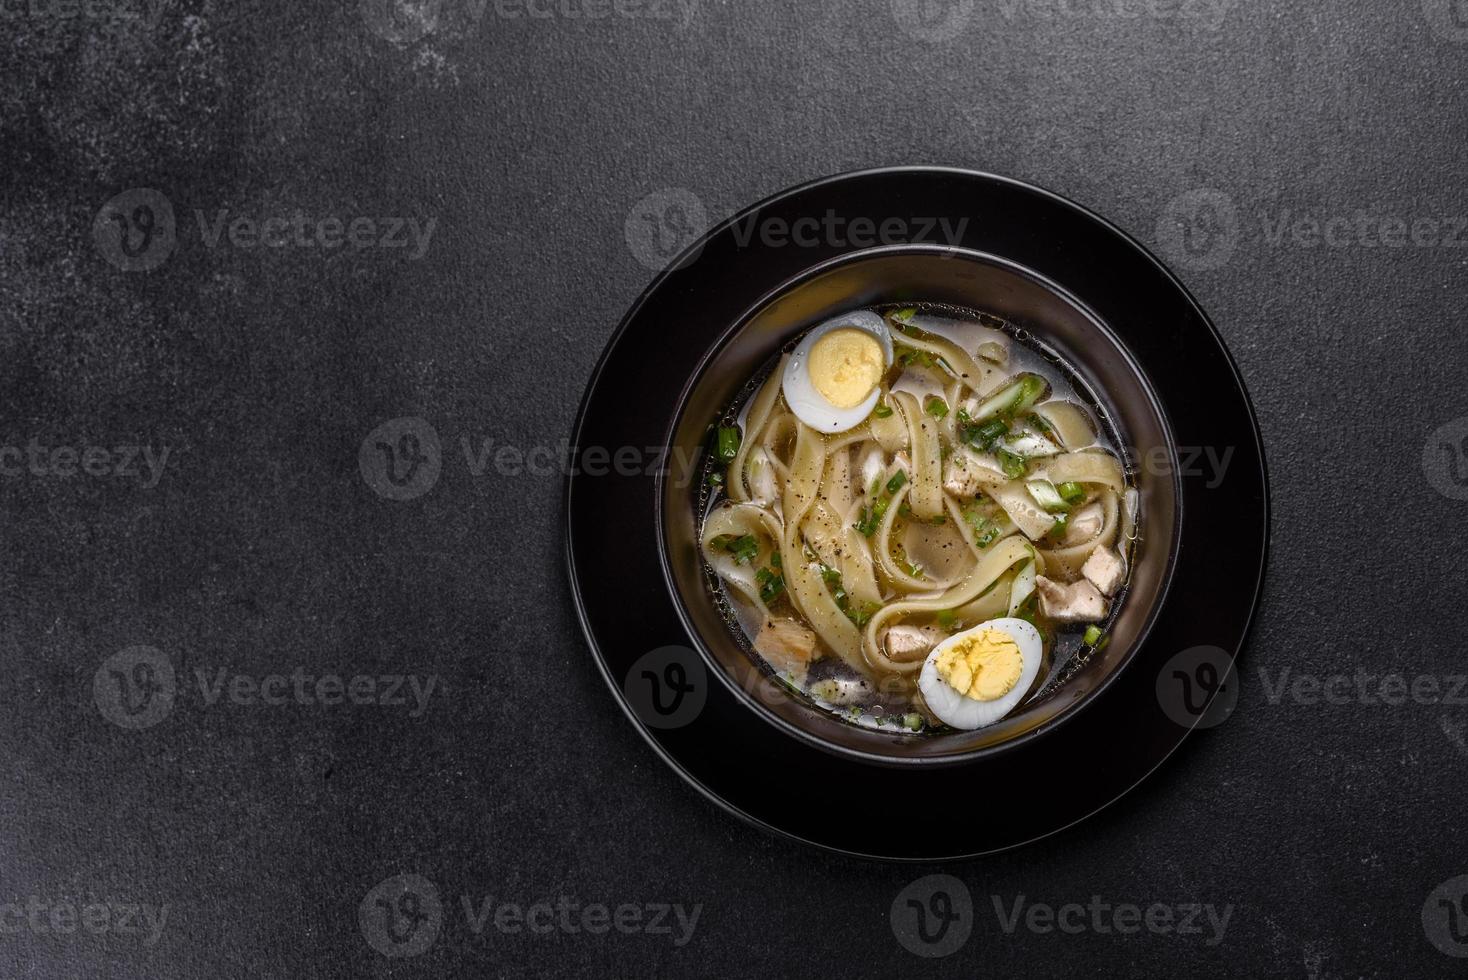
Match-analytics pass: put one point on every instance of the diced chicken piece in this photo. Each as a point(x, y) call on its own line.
point(909, 643)
point(1079, 602)
point(1084, 524)
point(969, 474)
point(1104, 570)
point(786, 645)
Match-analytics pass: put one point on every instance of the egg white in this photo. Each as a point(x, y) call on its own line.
point(961, 711)
point(808, 404)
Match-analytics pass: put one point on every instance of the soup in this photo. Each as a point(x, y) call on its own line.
point(918, 518)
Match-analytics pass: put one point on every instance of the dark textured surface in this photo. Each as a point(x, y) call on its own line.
point(529, 141)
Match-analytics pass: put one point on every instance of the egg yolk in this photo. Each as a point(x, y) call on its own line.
point(985, 666)
point(845, 365)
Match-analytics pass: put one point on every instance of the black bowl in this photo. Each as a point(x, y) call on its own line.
point(1138, 342)
point(952, 277)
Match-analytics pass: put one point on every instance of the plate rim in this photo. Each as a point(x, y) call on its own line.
point(1265, 540)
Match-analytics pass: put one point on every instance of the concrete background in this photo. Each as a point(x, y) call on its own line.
point(537, 140)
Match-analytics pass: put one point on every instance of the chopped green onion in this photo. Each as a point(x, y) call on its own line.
point(984, 436)
point(1045, 494)
point(937, 407)
point(861, 613)
point(882, 411)
point(912, 721)
point(1041, 425)
point(775, 559)
point(716, 479)
point(1014, 465)
point(1093, 636)
point(1029, 610)
point(946, 619)
point(985, 530)
point(744, 548)
point(1012, 399)
point(898, 479)
point(1062, 521)
point(1031, 387)
point(904, 314)
point(728, 444)
point(770, 584)
point(1071, 492)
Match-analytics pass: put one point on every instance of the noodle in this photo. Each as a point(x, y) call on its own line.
point(867, 529)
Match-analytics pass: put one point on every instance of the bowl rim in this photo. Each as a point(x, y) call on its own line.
point(1062, 714)
point(1241, 627)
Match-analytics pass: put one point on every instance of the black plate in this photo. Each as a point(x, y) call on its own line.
point(708, 730)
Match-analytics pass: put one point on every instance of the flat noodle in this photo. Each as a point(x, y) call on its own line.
point(990, 605)
point(823, 534)
point(955, 511)
point(857, 566)
point(890, 432)
point(754, 422)
point(1087, 466)
point(803, 577)
point(1070, 422)
point(739, 520)
point(1027, 515)
point(971, 373)
point(807, 497)
point(986, 573)
point(926, 499)
point(896, 574)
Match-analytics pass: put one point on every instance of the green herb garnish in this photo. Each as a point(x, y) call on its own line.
point(882, 411)
point(898, 479)
point(1014, 465)
point(727, 446)
point(744, 548)
point(1071, 493)
point(936, 407)
point(771, 584)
